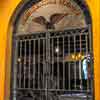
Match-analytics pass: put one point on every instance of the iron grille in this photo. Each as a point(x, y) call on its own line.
point(48, 66)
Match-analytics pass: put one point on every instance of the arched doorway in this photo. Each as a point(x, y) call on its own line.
point(52, 51)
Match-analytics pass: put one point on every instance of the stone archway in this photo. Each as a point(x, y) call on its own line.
point(31, 22)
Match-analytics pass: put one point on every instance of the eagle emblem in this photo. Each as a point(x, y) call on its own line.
point(54, 19)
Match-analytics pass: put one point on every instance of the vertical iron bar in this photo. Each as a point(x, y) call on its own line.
point(25, 59)
point(38, 63)
point(80, 74)
point(63, 64)
point(15, 71)
point(47, 62)
point(57, 51)
point(29, 65)
point(75, 63)
point(20, 61)
point(92, 58)
point(91, 51)
point(87, 64)
point(81, 82)
point(34, 65)
point(90, 38)
point(53, 61)
point(44, 63)
point(69, 66)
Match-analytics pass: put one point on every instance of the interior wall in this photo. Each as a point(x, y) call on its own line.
point(7, 8)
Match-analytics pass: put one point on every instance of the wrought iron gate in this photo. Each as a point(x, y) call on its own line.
point(53, 66)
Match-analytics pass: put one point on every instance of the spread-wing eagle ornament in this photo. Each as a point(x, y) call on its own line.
point(54, 19)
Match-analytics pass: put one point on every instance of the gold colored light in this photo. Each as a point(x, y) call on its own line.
point(79, 55)
point(73, 56)
point(76, 57)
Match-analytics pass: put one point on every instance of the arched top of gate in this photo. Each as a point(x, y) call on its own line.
point(43, 15)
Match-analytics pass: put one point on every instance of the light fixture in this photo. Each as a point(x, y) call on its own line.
point(57, 50)
point(73, 56)
point(19, 59)
point(79, 55)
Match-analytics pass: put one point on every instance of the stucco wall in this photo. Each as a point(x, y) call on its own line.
point(7, 8)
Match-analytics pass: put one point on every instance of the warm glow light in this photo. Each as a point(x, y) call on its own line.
point(73, 56)
point(57, 50)
point(79, 55)
point(76, 57)
point(19, 59)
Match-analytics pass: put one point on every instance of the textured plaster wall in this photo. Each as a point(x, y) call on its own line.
point(7, 8)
